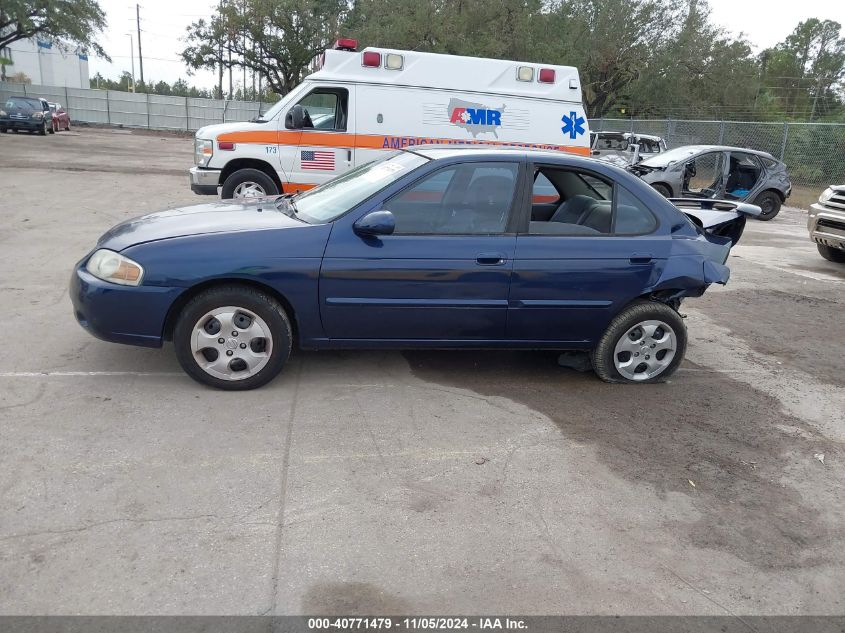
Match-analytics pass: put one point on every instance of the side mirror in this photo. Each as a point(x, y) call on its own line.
point(595, 152)
point(295, 118)
point(375, 223)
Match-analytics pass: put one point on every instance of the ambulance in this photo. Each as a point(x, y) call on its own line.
point(361, 105)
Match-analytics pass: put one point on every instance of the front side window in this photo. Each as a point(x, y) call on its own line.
point(472, 198)
point(325, 109)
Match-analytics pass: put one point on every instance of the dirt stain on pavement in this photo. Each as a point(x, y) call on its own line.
point(743, 454)
point(813, 344)
point(352, 598)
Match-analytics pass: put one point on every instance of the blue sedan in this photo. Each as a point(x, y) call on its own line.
point(435, 247)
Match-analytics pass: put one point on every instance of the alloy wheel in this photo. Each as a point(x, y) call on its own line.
point(231, 343)
point(249, 189)
point(645, 350)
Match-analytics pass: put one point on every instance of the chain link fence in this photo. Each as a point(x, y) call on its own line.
point(140, 110)
point(814, 153)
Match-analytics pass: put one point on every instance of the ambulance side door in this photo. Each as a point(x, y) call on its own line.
point(326, 146)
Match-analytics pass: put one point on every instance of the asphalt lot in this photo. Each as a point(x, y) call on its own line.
point(418, 482)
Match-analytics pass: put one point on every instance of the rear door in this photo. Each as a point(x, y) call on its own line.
point(442, 276)
point(572, 272)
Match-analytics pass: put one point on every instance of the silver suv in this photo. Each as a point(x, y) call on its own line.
point(827, 224)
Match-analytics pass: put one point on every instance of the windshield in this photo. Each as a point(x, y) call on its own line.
point(336, 197)
point(23, 103)
point(672, 156)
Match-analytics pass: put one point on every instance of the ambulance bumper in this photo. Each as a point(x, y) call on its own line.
point(204, 181)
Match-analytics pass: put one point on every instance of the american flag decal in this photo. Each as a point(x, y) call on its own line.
point(317, 160)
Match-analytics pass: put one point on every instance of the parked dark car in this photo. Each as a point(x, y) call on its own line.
point(435, 247)
point(719, 172)
point(26, 113)
point(61, 119)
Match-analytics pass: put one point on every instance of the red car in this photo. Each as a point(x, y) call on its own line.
point(61, 119)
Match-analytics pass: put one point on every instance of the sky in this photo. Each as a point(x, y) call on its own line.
point(763, 22)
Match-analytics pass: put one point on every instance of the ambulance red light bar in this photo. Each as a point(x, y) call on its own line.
point(546, 76)
point(346, 44)
point(371, 59)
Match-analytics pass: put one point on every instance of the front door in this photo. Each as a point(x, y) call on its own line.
point(442, 276)
point(704, 176)
point(324, 147)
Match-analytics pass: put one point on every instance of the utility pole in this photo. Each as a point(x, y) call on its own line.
point(138, 24)
point(816, 98)
point(132, 56)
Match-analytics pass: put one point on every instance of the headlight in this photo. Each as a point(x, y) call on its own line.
point(827, 194)
point(37, 115)
point(114, 267)
point(202, 151)
point(3, 113)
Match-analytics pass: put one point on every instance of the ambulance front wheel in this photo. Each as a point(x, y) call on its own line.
point(248, 183)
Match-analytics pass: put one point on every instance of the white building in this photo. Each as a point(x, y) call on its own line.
point(46, 64)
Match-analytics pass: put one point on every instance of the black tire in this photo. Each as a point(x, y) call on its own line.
point(602, 356)
point(831, 254)
point(242, 176)
point(43, 130)
point(247, 298)
point(662, 189)
point(769, 202)
point(53, 128)
point(3, 130)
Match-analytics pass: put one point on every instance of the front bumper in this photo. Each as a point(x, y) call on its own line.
point(204, 181)
point(134, 315)
point(826, 226)
point(22, 124)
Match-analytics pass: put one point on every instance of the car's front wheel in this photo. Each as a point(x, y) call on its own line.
point(662, 189)
point(233, 337)
point(43, 130)
point(836, 255)
point(248, 183)
point(644, 343)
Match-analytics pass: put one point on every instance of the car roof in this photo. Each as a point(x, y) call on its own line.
point(449, 151)
point(437, 152)
point(728, 148)
point(651, 137)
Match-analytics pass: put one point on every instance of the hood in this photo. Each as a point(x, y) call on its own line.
point(211, 132)
point(200, 219)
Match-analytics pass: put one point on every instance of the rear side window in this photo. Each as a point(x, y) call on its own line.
point(632, 217)
point(589, 205)
point(544, 191)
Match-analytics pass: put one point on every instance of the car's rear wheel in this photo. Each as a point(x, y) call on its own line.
point(54, 128)
point(233, 338)
point(769, 203)
point(663, 190)
point(644, 343)
point(831, 254)
point(248, 183)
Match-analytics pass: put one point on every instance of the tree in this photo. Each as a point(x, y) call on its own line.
point(805, 71)
point(276, 38)
point(67, 23)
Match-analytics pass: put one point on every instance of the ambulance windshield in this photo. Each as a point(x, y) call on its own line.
point(336, 197)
